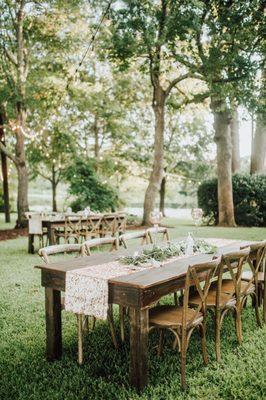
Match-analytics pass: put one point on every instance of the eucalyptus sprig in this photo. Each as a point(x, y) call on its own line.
point(162, 253)
point(201, 246)
point(156, 253)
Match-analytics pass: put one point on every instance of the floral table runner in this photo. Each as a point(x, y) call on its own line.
point(87, 288)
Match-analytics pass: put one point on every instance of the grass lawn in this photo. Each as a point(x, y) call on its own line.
point(25, 374)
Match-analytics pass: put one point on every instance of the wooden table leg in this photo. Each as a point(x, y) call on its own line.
point(51, 235)
point(53, 324)
point(31, 243)
point(139, 320)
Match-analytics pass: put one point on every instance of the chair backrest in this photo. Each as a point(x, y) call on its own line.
point(45, 252)
point(256, 261)
point(232, 262)
point(93, 225)
point(199, 277)
point(155, 231)
point(109, 223)
point(121, 223)
point(73, 224)
point(35, 223)
point(123, 239)
point(92, 243)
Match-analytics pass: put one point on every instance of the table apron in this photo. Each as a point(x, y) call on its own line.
point(128, 296)
point(54, 280)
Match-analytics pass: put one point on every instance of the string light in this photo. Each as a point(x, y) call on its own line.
point(19, 128)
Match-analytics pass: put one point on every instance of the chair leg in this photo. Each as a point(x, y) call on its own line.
point(161, 340)
point(238, 324)
point(218, 334)
point(256, 300)
point(260, 295)
point(111, 325)
point(80, 339)
point(183, 363)
point(31, 244)
point(122, 323)
point(203, 342)
point(86, 324)
point(93, 323)
point(264, 304)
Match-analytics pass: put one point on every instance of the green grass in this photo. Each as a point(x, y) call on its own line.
point(26, 375)
point(9, 225)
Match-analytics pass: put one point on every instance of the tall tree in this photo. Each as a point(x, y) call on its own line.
point(35, 39)
point(258, 155)
point(145, 31)
point(14, 64)
point(234, 128)
point(222, 39)
point(4, 167)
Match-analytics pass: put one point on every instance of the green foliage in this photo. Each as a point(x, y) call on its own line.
point(162, 253)
point(51, 151)
point(249, 199)
point(85, 185)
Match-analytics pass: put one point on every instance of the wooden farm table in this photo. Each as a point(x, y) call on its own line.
point(137, 291)
point(56, 222)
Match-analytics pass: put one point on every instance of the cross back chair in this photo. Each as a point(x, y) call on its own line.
point(109, 224)
point(82, 322)
point(221, 302)
point(45, 252)
point(86, 250)
point(182, 320)
point(92, 243)
point(155, 231)
point(121, 223)
point(257, 276)
point(143, 235)
point(92, 227)
point(72, 229)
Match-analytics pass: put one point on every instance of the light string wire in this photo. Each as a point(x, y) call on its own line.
point(104, 14)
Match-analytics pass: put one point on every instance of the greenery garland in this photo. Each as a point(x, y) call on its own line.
point(163, 253)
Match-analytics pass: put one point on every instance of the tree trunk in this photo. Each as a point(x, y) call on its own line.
point(22, 200)
point(157, 168)
point(162, 196)
point(258, 153)
point(4, 170)
point(258, 156)
point(54, 187)
point(224, 163)
point(96, 138)
point(234, 128)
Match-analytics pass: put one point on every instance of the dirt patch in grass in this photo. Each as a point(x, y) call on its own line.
point(7, 234)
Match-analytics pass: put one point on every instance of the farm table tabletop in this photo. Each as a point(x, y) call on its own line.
point(137, 291)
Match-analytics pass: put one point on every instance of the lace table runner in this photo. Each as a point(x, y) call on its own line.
point(87, 288)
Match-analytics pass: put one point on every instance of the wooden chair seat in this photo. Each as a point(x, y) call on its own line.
point(226, 300)
point(171, 316)
point(229, 287)
point(247, 275)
